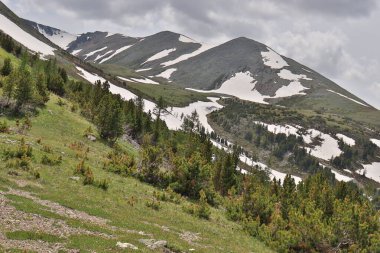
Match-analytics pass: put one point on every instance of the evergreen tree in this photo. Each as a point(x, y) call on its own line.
point(41, 87)
point(138, 124)
point(7, 43)
point(159, 111)
point(110, 118)
point(24, 86)
point(9, 86)
point(7, 67)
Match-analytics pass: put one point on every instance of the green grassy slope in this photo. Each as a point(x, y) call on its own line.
point(123, 205)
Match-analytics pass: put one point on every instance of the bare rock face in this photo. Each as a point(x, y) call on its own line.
point(91, 137)
point(154, 244)
point(126, 245)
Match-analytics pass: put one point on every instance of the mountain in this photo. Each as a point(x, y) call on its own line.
point(24, 33)
point(261, 74)
point(58, 37)
point(180, 146)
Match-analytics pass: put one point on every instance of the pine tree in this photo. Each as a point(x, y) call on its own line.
point(159, 111)
point(138, 124)
point(8, 44)
point(24, 86)
point(110, 118)
point(7, 67)
point(41, 87)
point(9, 86)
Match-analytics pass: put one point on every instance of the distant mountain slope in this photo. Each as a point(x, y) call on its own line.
point(249, 69)
point(20, 23)
point(58, 37)
point(242, 67)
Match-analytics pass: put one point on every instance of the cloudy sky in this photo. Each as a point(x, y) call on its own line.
point(338, 38)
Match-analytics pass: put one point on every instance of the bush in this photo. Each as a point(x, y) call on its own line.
point(168, 196)
point(46, 149)
point(120, 163)
point(4, 128)
point(80, 169)
point(60, 102)
point(88, 177)
point(102, 184)
point(23, 150)
point(51, 161)
point(154, 204)
point(201, 210)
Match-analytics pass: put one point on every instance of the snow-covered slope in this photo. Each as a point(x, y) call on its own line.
point(58, 37)
point(18, 34)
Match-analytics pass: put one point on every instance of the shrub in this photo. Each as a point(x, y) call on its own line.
point(120, 163)
point(103, 184)
point(22, 150)
point(80, 169)
point(168, 196)
point(201, 210)
point(4, 128)
point(154, 204)
point(51, 161)
point(60, 102)
point(88, 177)
point(46, 149)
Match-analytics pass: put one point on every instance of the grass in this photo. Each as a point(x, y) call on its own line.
point(29, 235)
point(28, 206)
point(57, 127)
point(173, 95)
point(4, 54)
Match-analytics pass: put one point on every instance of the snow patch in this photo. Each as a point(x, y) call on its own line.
point(272, 173)
point(92, 78)
point(110, 34)
point(60, 38)
point(76, 52)
point(288, 75)
point(347, 140)
point(160, 55)
point(328, 148)
point(376, 142)
point(115, 53)
point(142, 70)
point(24, 38)
point(341, 177)
point(203, 48)
point(348, 98)
point(145, 80)
point(371, 170)
point(295, 87)
point(167, 73)
point(186, 39)
point(100, 56)
point(125, 79)
point(94, 52)
point(174, 121)
point(241, 85)
point(277, 129)
point(273, 59)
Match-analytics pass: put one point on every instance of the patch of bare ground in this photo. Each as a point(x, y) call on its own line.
point(12, 220)
point(59, 209)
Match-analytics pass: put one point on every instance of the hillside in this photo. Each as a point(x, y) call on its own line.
point(64, 214)
point(175, 58)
